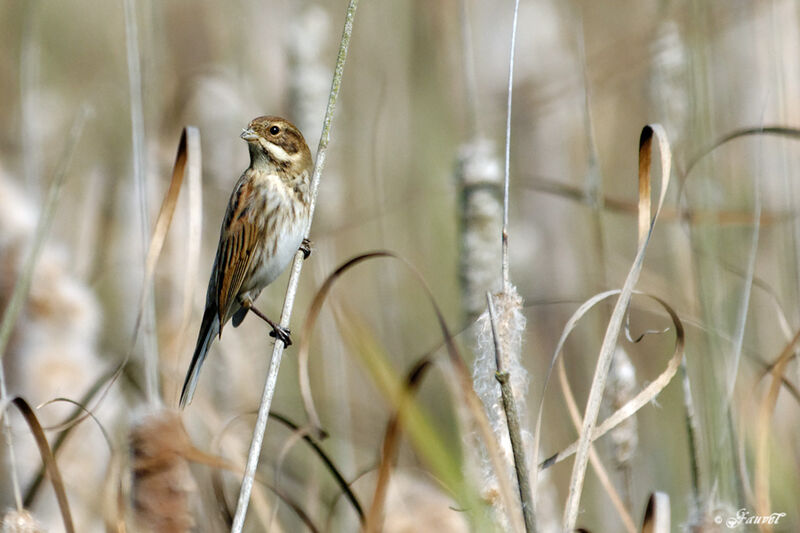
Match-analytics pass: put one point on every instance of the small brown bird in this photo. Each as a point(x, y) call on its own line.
point(264, 225)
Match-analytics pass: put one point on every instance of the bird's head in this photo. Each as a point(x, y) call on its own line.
point(274, 141)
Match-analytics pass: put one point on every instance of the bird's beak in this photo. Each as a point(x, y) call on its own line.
point(249, 135)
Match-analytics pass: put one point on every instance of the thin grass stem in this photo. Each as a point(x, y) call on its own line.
point(468, 64)
point(507, 166)
point(139, 164)
point(294, 279)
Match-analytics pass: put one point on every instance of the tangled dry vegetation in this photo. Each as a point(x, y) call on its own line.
point(629, 365)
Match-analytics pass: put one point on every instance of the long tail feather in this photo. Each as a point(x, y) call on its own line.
point(208, 330)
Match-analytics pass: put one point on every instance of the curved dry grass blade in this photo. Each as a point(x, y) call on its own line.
point(644, 397)
point(218, 464)
point(89, 413)
point(594, 459)
point(614, 204)
point(294, 437)
point(327, 461)
point(114, 499)
point(469, 397)
point(391, 442)
point(568, 327)
point(190, 139)
point(344, 485)
point(781, 131)
point(423, 435)
point(219, 495)
point(66, 428)
point(647, 221)
point(626, 411)
point(305, 336)
point(47, 458)
point(194, 174)
point(295, 506)
point(744, 307)
point(657, 515)
point(356, 478)
point(30, 493)
point(765, 411)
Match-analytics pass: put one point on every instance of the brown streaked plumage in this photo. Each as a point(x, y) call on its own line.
point(264, 225)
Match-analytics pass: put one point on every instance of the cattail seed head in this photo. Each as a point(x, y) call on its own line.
point(162, 485)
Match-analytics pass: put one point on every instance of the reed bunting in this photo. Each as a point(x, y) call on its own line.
point(264, 225)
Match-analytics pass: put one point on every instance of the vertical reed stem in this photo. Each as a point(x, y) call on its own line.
point(294, 279)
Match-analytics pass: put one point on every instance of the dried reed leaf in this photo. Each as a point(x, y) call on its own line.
point(189, 141)
point(765, 411)
point(629, 409)
point(294, 505)
point(114, 500)
point(657, 514)
point(570, 325)
point(647, 219)
point(194, 174)
point(47, 457)
point(391, 444)
point(692, 217)
point(190, 138)
point(600, 470)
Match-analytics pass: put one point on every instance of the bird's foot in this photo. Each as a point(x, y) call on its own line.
point(305, 247)
point(278, 332)
point(282, 334)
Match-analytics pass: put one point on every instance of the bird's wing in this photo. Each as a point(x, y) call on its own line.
point(238, 244)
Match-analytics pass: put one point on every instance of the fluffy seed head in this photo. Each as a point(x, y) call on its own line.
point(20, 522)
point(162, 484)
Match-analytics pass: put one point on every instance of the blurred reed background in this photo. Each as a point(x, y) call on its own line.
point(420, 122)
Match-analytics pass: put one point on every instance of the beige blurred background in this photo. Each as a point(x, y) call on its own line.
point(588, 77)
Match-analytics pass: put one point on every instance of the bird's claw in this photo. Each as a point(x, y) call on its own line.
point(305, 247)
point(282, 334)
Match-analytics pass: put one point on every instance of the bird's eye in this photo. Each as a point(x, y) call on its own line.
point(274, 130)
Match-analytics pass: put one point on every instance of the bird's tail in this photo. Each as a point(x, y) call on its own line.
point(208, 330)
